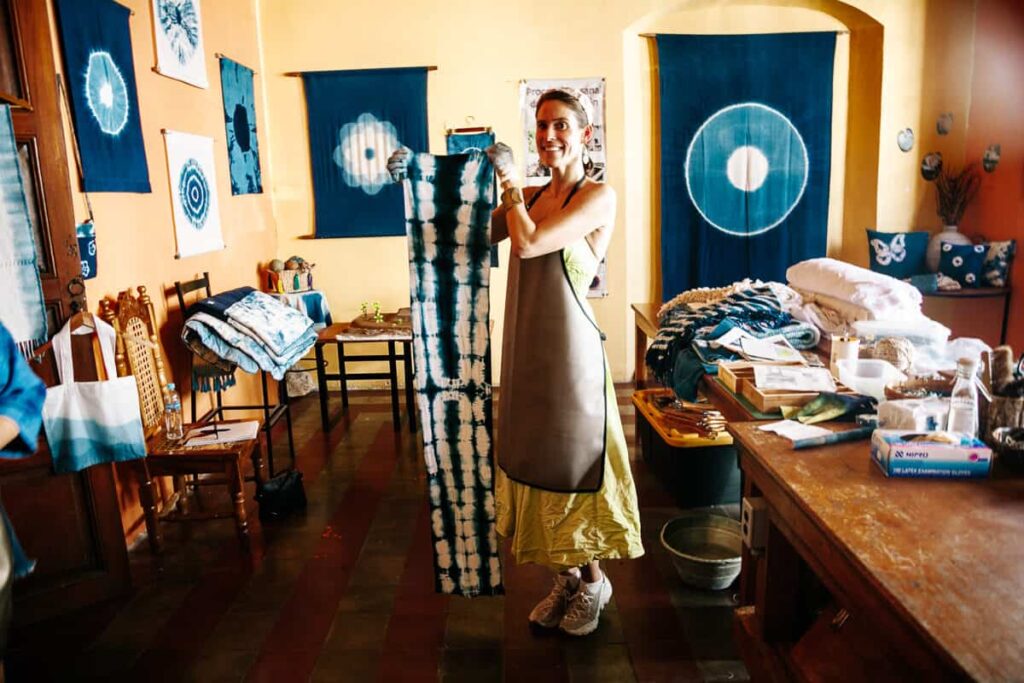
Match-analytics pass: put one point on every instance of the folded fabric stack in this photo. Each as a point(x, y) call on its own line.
point(250, 329)
point(836, 294)
point(758, 310)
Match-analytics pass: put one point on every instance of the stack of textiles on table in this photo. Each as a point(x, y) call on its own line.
point(249, 329)
point(759, 309)
point(837, 294)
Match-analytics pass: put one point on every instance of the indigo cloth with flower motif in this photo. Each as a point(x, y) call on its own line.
point(448, 221)
point(356, 120)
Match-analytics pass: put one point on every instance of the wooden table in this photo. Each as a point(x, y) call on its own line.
point(646, 328)
point(930, 572)
point(341, 334)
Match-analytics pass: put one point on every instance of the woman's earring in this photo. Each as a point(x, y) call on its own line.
point(586, 156)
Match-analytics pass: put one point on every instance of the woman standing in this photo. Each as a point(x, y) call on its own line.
point(564, 490)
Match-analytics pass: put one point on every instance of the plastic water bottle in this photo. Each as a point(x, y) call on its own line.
point(172, 415)
point(963, 402)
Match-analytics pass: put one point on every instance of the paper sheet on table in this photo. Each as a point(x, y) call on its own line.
point(773, 348)
point(793, 430)
point(793, 377)
point(226, 433)
point(732, 340)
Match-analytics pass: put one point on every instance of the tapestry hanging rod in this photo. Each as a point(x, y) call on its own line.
point(301, 73)
point(655, 35)
point(221, 55)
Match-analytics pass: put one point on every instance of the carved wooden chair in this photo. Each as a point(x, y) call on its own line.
point(138, 353)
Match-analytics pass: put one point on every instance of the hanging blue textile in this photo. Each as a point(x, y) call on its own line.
point(240, 125)
point(746, 135)
point(356, 120)
point(460, 143)
point(104, 103)
point(448, 214)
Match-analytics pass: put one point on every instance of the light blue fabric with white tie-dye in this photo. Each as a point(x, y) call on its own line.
point(448, 225)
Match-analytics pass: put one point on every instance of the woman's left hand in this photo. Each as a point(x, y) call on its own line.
point(504, 163)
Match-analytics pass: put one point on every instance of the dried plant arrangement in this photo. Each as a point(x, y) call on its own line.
point(954, 191)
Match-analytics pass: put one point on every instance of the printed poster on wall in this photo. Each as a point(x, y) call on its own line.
point(178, 32)
point(240, 124)
point(193, 193)
point(529, 92)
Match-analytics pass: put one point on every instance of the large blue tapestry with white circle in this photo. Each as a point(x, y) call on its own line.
point(356, 120)
point(746, 126)
point(100, 75)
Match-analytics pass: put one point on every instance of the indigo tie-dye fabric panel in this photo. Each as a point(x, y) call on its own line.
point(746, 137)
point(448, 222)
point(461, 143)
point(356, 120)
point(240, 122)
point(101, 86)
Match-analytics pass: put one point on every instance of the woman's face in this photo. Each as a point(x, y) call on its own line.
point(560, 139)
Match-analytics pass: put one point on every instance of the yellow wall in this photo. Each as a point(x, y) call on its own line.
point(483, 49)
point(135, 233)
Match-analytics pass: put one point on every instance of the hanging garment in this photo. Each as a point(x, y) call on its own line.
point(448, 223)
point(551, 429)
point(21, 308)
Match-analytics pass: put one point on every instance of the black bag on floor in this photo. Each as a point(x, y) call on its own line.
point(281, 496)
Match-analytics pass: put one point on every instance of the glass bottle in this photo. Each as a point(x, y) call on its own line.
point(173, 427)
point(963, 402)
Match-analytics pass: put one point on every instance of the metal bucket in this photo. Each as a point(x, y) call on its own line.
point(705, 548)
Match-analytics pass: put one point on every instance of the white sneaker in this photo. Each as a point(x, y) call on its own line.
point(585, 607)
point(549, 611)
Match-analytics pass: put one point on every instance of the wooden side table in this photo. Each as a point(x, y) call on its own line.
point(646, 328)
point(980, 312)
point(339, 334)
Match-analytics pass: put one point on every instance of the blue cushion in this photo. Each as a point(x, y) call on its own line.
point(963, 262)
point(898, 254)
point(996, 270)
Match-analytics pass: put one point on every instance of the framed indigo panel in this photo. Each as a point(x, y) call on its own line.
point(178, 31)
point(193, 193)
point(100, 74)
point(448, 212)
point(240, 124)
point(356, 120)
point(746, 135)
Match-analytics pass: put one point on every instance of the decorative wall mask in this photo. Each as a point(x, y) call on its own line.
point(931, 165)
point(944, 123)
point(991, 157)
point(905, 140)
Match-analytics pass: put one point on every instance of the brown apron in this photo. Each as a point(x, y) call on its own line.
point(553, 409)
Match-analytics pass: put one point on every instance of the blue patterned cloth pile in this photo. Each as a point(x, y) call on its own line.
point(672, 357)
point(249, 329)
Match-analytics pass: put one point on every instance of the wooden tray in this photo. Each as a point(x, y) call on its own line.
point(735, 374)
point(769, 400)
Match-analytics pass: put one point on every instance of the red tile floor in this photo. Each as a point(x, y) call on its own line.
point(345, 592)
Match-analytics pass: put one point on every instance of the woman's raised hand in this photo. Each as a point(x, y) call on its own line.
point(398, 163)
point(504, 163)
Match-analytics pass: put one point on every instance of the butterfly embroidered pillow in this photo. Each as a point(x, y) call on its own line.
point(996, 270)
point(963, 262)
point(898, 254)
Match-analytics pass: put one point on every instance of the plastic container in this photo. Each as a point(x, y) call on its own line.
point(869, 376)
point(920, 331)
point(705, 548)
point(695, 471)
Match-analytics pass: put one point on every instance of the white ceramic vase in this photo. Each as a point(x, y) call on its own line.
point(949, 233)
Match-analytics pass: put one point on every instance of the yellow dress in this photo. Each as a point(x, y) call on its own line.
point(562, 530)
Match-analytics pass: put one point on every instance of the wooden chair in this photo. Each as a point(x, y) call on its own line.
point(138, 353)
point(271, 412)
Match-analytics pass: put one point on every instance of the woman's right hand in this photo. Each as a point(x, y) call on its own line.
point(398, 164)
point(504, 163)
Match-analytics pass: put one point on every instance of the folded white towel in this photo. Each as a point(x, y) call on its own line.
point(881, 294)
